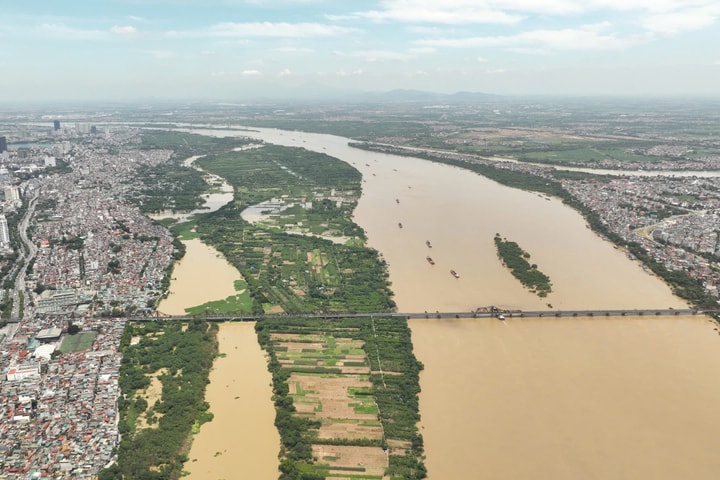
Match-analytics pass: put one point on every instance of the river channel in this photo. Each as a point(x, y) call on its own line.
point(241, 441)
point(551, 398)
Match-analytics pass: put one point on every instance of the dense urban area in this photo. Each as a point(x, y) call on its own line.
point(79, 253)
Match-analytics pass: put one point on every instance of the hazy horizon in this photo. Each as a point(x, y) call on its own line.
point(308, 49)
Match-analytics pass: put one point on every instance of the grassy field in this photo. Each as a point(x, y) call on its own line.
point(78, 342)
point(240, 302)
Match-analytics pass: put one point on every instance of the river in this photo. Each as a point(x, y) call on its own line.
point(542, 398)
point(241, 441)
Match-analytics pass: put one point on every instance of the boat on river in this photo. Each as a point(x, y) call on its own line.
point(430, 260)
point(454, 274)
point(427, 242)
point(399, 224)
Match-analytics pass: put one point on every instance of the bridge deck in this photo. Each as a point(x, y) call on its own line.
point(445, 315)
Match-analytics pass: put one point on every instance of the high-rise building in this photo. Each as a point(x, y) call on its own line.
point(4, 231)
point(3, 144)
point(56, 124)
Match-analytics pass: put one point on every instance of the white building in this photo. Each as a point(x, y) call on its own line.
point(21, 372)
point(4, 232)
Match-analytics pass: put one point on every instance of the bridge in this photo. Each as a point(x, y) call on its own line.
point(489, 312)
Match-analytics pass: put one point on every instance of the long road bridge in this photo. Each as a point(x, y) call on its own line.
point(490, 312)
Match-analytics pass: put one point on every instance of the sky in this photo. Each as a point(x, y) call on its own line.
point(244, 49)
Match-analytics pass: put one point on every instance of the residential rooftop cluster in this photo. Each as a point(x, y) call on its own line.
point(59, 414)
point(91, 256)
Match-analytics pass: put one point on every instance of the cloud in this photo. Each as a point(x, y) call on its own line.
point(124, 30)
point(587, 37)
point(265, 29)
point(509, 11)
point(422, 50)
point(207, 53)
point(441, 12)
point(251, 73)
point(285, 73)
point(677, 21)
point(380, 55)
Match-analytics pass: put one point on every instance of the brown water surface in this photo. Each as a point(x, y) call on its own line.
point(551, 398)
point(570, 398)
point(241, 441)
point(202, 275)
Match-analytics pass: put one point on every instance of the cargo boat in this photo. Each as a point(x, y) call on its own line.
point(427, 242)
point(400, 224)
point(454, 274)
point(430, 260)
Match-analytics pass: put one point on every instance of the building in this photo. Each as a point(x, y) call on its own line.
point(56, 124)
point(4, 232)
point(21, 372)
point(3, 144)
point(12, 193)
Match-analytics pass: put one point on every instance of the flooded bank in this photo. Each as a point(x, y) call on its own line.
point(201, 276)
point(568, 398)
point(241, 441)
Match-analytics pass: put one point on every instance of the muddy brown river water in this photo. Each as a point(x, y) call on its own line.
point(551, 398)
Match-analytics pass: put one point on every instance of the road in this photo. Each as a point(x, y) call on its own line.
point(27, 251)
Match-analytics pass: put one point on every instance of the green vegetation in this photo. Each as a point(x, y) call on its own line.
point(77, 343)
point(516, 259)
point(186, 145)
point(393, 396)
point(240, 302)
point(171, 185)
point(288, 272)
point(181, 360)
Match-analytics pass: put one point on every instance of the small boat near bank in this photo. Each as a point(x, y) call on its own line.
point(430, 260)
point(454, 274)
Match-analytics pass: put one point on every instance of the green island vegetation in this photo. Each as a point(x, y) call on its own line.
point(287, 263)
point(366, 362)
point(682, 284)
point(516, 259)
point(163, 376)
point(171, 185)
